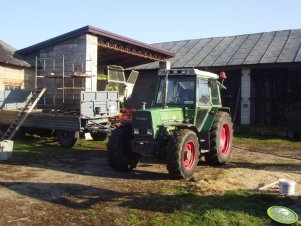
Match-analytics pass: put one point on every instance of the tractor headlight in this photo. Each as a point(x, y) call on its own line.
point(149, 132)
point(136, 131)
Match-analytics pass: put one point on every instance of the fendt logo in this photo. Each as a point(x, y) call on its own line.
point(141, 118)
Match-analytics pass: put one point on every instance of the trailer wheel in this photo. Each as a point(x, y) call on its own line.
point(183, 154)
point(221, 135)
point(99, 136)
point(121, 156)
point(67, 139)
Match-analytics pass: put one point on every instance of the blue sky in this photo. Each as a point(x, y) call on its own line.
point(25, 23)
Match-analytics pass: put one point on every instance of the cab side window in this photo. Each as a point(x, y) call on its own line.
point(214, 93)
point(203, 92)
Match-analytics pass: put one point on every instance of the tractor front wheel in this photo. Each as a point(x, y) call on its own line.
point(121, 156)
point(183, 154)
point(221, 135)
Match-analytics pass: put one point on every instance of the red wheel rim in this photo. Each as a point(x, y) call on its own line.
point(189, 154)
point(224, 139)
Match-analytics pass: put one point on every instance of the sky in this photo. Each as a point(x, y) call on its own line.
point(25, 23)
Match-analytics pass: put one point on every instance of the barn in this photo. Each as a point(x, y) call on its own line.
point(263, 71)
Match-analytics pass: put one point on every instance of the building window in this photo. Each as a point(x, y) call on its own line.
point(11, 87)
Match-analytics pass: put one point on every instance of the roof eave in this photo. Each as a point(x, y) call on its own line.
point(15, 64)
point(94, 31)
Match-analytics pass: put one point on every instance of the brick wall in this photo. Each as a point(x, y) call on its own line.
point(17, 77)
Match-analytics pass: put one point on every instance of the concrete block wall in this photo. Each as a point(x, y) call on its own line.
point(245, 96)
point(91, 66)
point(80, 51)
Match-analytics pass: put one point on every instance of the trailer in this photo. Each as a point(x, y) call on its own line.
point(60, 102)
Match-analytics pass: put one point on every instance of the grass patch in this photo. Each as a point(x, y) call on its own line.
point(186, 207)
point(260, 140)
point(35, 147)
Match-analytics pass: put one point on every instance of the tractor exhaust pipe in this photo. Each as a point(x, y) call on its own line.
point(165, 89)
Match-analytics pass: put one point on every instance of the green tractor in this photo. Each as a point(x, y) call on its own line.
point(187, 121)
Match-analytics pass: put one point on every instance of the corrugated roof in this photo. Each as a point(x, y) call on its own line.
point(260, 48)
point(8, 56)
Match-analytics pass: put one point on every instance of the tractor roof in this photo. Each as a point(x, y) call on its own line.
point(188, 71)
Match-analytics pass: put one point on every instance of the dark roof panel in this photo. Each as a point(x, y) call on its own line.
point(206, 50)
point(260, 48)
point(191, 53)
point(8, 56)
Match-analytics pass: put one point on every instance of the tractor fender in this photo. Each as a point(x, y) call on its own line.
point(225, 109)
point(204, 134)
point(188, 126)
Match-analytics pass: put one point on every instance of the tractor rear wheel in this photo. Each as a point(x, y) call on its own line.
point(67, 139)
point(183, 154)
point(121, 156)
point(221, 135)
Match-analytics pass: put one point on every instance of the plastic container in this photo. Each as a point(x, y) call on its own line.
point(287, 186)
point(6, 148)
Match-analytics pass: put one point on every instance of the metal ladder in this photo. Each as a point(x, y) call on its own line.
point(19, 120)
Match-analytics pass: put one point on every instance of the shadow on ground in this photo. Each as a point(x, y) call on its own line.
point(77, 196)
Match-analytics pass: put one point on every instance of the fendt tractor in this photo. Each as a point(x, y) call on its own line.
point(186, 121)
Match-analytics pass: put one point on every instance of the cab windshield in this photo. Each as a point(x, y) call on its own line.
point(181, 90)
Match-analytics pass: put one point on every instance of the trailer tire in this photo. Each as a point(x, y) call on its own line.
point(120, 154)
point(99, 136)
point(221, 135)
point(183, 154)
point(67, 139)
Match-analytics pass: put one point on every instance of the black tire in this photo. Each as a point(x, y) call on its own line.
point(67, 139)
point(183, 154)
point(121, 156)
point(221, 136)
point(161, 153)
point(99, 136)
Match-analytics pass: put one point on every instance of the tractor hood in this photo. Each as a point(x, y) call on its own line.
point(156, 118)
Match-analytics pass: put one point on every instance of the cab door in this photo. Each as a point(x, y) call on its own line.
point(203, 102)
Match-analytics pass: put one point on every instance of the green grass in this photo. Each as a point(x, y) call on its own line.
point(35, 147)
point(255, 139)
point(43, 144)
point(182, 208)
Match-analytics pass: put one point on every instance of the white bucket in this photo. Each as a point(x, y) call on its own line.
point(6, 149)
point(287, 186)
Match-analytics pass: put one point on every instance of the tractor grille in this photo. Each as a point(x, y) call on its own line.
point(142, 120)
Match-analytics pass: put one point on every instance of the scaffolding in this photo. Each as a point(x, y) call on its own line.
point(69, 78)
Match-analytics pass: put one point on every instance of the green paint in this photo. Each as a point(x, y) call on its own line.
point(282, 215)
point(192, 101)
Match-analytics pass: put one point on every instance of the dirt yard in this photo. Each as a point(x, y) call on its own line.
point(82, 189)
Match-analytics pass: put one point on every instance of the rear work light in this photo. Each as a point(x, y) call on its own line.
point(222, 75)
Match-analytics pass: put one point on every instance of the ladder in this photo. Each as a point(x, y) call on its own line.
point(19, 120)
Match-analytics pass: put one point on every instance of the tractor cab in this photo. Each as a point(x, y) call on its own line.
point(195, 92)
point(187, 87)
